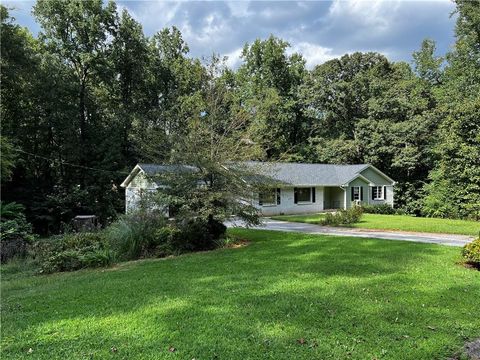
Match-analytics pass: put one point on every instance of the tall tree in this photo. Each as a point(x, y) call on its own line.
point(427, 65)
point(455, 187)
point(78, 31)
point(338, 92)
point(268, 83)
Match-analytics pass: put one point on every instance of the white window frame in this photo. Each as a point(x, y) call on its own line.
point(379, 194)
point(274, 190)
point(356, 196)
point(310, 197)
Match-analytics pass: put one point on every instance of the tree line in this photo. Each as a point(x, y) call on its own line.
point(92, 95)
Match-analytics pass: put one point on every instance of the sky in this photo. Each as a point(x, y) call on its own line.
point(319, 30)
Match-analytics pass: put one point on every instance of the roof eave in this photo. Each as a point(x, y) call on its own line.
point(375, 169)
point(131, 176)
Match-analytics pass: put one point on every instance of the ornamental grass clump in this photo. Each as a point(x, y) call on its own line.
point(135, 235)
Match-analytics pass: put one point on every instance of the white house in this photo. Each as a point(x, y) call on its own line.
point(297, 188)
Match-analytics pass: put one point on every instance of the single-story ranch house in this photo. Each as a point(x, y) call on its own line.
point(299, 188)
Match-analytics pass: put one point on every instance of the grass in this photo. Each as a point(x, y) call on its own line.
point(284, 296)
point(399, 222)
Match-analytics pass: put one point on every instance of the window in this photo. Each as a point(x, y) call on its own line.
point(356, 193)
point(269, 197)
point(377, 193)
point(302, 195)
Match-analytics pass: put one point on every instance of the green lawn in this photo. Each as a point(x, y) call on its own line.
point(347, 298)
point(399, 222)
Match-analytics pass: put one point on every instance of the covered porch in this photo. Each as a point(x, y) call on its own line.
point(333, 198)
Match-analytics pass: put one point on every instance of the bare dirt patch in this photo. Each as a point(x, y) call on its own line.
point(470, 351)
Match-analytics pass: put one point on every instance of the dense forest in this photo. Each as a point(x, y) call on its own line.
point(91, 96)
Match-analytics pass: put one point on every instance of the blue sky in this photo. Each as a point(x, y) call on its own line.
point(318, 30)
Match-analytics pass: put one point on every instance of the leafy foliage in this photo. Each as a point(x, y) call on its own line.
point(93, 95)
point(15, 231)
point(471, 253)
point(343, 217)
point(385, 209)
point(454, 189)
point(72, 252)
point(148, 234)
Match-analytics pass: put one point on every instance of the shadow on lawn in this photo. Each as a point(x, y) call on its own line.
point(343, 295)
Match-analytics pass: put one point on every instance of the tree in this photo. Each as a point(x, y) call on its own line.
point(267, 85)
point(7, 159)
point(209, 185)
point(78, 31)
point(128, 83)
point(454, 190)
point(337, 92)
point(427, 65)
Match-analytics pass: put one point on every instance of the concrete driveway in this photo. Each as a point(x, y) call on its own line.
point(442, 239)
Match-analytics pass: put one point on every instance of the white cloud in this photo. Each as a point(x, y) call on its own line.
point(319, 30)
point(239, 8)
point(375, 16)
point(313, 54)
point(234, 60)
point(154, 15)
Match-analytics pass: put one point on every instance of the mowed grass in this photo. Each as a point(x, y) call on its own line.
point(283, 296)
point(399, 222)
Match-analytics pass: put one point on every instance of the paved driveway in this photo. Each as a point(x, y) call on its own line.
point(442, 239)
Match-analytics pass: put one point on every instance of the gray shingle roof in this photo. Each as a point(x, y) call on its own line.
point(299, 174)
point(294, 174)
point(154, 169)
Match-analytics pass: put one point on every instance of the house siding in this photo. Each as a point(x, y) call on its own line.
point(365, 188)
point(287, 204)
point(378, 180)
point(133, 192)
point(375, 177)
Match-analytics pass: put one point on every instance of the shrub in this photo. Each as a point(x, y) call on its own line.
point(379, 209)
point(15, 231)
point(343, 217)
point(72, 252)
point(198, 234)
point(471, 253)
point(145, 234)
point(136, 235)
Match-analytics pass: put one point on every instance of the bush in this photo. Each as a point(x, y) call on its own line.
point(379, 209)
point(471, 253)
point(15, 231)
point(145, 234)
point(343, 217)
point(198, 234)
point(136, 235)
point(72, 252)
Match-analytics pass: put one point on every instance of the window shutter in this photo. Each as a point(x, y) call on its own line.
point(361, 193)
point(373, 194)
point(351, 198)
point(385, 193)
point(278, 196)
point(295, 196)
point(260, 199)
point(313, 194)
